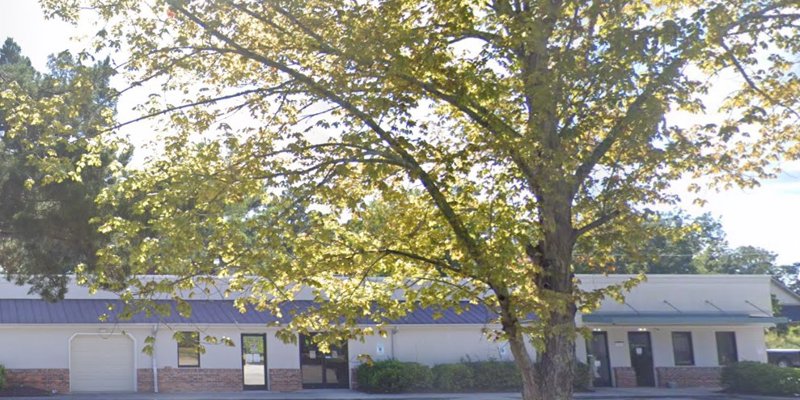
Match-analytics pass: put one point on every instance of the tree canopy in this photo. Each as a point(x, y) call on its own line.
point(681, 244)
point(52, 166)
point(459, 149)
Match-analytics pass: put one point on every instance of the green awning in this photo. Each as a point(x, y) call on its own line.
point(644, 319)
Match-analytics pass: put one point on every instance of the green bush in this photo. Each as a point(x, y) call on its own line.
point(582, 378)
point(758, 378)
point(2, 376)
point(489, 376)
point(504, 376)
point(452, 377)
point(421, 376)
point(393, 376)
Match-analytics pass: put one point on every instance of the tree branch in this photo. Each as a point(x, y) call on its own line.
point(600, 221)
point(478, 113)
point(487, 37)
point(413, 167)
point(749, 80)
point(333, 162)
point(211, 100)
point(427, 260)
point(583, 170)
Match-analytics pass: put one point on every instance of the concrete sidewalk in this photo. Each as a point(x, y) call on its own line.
point(603, 393)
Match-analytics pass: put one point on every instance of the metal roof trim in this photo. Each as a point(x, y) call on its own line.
point(678, 319)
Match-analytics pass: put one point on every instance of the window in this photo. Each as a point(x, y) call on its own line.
point(682, 348)
point(726, 348)
point(188, 349)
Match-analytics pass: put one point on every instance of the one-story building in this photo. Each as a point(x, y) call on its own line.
point(678, 330)
point(671, 330)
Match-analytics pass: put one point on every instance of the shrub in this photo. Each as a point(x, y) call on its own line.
point(582, 377)
point(2, 376)
point(495, 376)
point(758, 378)
point(504, 376)
point(393, 376)
point(421, 376)
point(452, 377)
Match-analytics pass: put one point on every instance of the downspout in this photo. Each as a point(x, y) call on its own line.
point(394, 332)
point(154, 361)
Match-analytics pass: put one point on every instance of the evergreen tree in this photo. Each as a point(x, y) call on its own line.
point(49, 178)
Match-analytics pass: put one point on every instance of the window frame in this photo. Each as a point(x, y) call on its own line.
point(687, 335)
point(194, 338)
point(732, 335)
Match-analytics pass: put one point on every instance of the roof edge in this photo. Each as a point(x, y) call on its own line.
point(782, 286)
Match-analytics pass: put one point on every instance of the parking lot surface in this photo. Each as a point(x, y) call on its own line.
point(604, 393)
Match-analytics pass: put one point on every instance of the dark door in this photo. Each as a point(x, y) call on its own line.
point(599, 365)
point(642, 358)
point(323, 370)
point(254, 361)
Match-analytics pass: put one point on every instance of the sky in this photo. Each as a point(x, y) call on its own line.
point(766, 217)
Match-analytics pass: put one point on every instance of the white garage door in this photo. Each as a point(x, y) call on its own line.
point(101, 363)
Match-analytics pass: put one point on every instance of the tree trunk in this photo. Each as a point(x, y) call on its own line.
point(526, 368)
point(557, 359)
point(551, 378)
point(555, 368)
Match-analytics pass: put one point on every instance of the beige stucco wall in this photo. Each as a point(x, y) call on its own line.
point(432, 345)
point(37, 346)
point(279, 355)
point(215, 356)
point(425, 344)
point(749, 343)
point(438, 345)
point(34, 348)
point(689, 293)
point(783, 295)
point(47, 346)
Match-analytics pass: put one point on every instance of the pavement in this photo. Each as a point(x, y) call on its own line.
point(340, 394)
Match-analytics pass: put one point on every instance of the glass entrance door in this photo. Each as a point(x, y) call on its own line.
point(600, 367)
point(254, 361)
point(323, 370)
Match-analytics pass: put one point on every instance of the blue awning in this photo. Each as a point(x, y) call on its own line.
point(644, 319)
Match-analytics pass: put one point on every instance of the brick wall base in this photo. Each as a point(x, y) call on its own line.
point(144, 380)
point(172, 380)
point(51, 379)
point(689, 376)
point(169, 379)
point(285, 380)
point(624, 377)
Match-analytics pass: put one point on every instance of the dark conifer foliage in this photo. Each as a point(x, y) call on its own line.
point(46, 213)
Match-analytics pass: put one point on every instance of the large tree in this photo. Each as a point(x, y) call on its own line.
point(458, 149)
point(53, 164)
